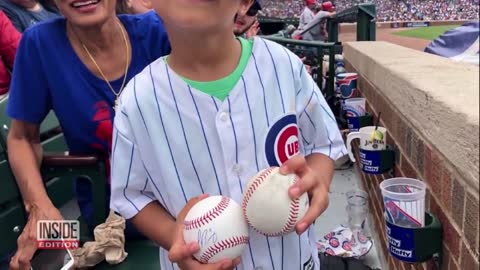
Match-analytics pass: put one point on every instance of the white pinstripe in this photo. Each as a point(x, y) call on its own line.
point(194, 138)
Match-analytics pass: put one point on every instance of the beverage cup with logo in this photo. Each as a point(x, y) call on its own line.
point(354, 107)
point(370, 139)
point(404, 201)
point(347, 84)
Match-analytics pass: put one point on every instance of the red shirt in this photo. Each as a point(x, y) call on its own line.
point(9, 39)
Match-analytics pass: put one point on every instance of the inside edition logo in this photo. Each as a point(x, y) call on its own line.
point(58, 234)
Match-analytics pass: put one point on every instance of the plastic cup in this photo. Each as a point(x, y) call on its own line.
point(354, 107)
point(347, 84)
point(357, 209)
point(404, 201)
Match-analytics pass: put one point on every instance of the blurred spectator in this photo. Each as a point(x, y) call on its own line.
point(133, 6)
point(247, 25)
point(307, 16)
point(387, 10)
point(9, 40)
point(24, 13)
point(313, 24)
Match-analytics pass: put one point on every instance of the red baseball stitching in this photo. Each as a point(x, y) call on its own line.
point(222, 245)
point(292, 215)
point(208, 216)
point(255, 184)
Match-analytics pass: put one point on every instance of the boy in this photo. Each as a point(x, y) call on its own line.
point(207, 118)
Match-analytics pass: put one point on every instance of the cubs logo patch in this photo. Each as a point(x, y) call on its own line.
point(281, 142)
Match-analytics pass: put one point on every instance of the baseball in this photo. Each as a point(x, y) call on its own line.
point(218, 225)
point(267, 206)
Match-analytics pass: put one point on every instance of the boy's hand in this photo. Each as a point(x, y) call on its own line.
point(311, 182)
point(253, 30)
point(182, 253)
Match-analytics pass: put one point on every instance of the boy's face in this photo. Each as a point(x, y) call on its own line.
point(243, 23)
point(200, 15)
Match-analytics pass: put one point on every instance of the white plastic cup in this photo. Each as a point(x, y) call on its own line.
point(404, 201)
point(354, 107)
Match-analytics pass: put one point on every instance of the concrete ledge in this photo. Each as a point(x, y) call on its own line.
point(438, 97)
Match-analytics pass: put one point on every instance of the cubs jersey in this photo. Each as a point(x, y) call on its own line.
point(172, 142)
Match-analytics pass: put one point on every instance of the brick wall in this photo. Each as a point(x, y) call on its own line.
point(456, 206)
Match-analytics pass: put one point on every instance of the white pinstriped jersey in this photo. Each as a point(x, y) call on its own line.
point(172, 142)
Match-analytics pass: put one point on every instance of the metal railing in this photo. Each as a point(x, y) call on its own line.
point(365, 17)
point(320, 48)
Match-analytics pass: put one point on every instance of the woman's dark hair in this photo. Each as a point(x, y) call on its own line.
point(122, 7)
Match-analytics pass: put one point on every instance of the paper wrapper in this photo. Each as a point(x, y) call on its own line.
point(343, 242)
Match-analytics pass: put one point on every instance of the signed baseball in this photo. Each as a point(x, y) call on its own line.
point(217, 224)
point(267, 206)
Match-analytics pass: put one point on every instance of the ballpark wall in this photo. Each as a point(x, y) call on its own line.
point(430, 107)
point(352, 27)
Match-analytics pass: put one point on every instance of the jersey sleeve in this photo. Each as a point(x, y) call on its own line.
point(29, 97)
point(319, 132)
point(302, 21)
point(130, 191)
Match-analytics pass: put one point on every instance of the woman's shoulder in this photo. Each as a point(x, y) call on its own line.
point(143, 24)
point(48, 30)
point(147, 32)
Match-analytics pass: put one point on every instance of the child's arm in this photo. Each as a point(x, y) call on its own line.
point(318, 128)
point(130, 195)
point(147, 221)
point(321, 144)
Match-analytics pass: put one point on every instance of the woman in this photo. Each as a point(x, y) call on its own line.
point(77, 66)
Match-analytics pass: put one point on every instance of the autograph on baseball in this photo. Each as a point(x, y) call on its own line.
point(206, 237)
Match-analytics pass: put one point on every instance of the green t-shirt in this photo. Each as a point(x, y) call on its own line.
point(222, 87)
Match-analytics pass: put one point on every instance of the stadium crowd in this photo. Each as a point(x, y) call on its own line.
point(388, 10)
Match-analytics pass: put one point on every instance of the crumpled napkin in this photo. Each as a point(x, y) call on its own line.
point(109, 244)
point(343, 242)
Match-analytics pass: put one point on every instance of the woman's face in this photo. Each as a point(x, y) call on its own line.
point(86, 13)
point(200, 15)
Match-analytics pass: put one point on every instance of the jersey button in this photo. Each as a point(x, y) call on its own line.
point(237, 169)
point(224, 116)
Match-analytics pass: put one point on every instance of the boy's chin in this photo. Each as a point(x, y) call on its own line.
point(239, 32)
point(195, 24)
